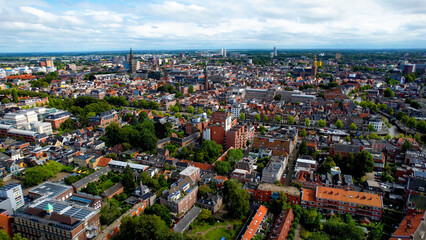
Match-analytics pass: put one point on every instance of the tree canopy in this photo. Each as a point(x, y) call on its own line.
point(237, 198)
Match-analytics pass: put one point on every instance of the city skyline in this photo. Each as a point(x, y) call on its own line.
point(61, 26)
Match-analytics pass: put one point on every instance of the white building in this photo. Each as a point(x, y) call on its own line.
point(13, 191)
point(15, 119)
point(236, 110)
point(377, 124)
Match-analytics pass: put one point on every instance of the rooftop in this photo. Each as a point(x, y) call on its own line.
point(275, 188)
point(49, 189)
point(183, 224)
point(361, 198)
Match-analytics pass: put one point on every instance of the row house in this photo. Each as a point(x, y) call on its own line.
point(339, 201)
point(282, 225)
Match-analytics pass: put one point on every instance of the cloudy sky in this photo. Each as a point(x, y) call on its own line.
point(74, 25)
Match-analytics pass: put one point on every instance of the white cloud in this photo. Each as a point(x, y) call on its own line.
point(211, 24)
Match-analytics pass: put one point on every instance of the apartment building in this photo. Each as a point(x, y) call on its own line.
point(332, 200)
point(181, 197)
point(104, 119)
point(253, 224)
point(282, 143)
point(282, 225)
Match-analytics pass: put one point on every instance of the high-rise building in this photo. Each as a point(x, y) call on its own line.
point(49, 63)
point(224, 53)
point(275, 51)
point(221, 51)
point(132, 63)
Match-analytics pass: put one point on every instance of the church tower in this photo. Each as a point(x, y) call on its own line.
point(132, 63)
point(206, 79)
point(314, 66)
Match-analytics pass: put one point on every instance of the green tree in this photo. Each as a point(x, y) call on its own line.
point(205, 214)
point(266, 119)
point(15, 96)
point(290, 120)
point(191, 109)
point(5, 100)
point(257, 117)
point(200, 110)
point(234, 155)
point(278, 119)
point(162, 211)
point(388, 137)
point(280, 204)
point(303, 133)
point(110, 212)
point(353, 126)
point(209, 112)
point(388, 93)
point(370, 127)
point(406, 146)
point(338, 124)
point(373, 136)
point(412, 122)
point(191, 89)
point(4, 235)
point(321, 123)
point(277, 97)
point(143, 227)
point(222, 167)
point(128, 180)
point(68, 125)
point(363, 164)
point(237, 198)
point(307, 122)
point(17, 236)
point(303, 149)
point(203, 190)
point(242, 116)
point(92, 188)
point(348, 138)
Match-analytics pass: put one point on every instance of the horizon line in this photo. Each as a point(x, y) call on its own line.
point(214, 49)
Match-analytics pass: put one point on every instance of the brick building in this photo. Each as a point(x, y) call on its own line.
point(104, 119)
point(181, 197)
point(282, 225)
point(51, 219)
point(266, 192)
point(332, 200)
point(252, 226)
point(57, 118)
point(280, 144)
point(238, 136)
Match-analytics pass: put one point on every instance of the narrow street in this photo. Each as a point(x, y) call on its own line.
point(290, 166)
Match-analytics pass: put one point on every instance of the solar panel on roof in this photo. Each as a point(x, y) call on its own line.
point(80, 199)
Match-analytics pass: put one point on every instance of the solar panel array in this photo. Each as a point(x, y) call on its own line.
point(75, 212)
point(81, 200)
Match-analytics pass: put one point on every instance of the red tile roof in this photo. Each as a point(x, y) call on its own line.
point(255, 223)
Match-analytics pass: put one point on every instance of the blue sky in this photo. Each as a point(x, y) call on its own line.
point(64, 25)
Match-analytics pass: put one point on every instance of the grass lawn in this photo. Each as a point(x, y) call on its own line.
point(106, 184)
point(202, 228)
point(217, 234)
point(213, 233)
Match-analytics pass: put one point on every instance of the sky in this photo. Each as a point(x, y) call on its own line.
point(101, 25)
